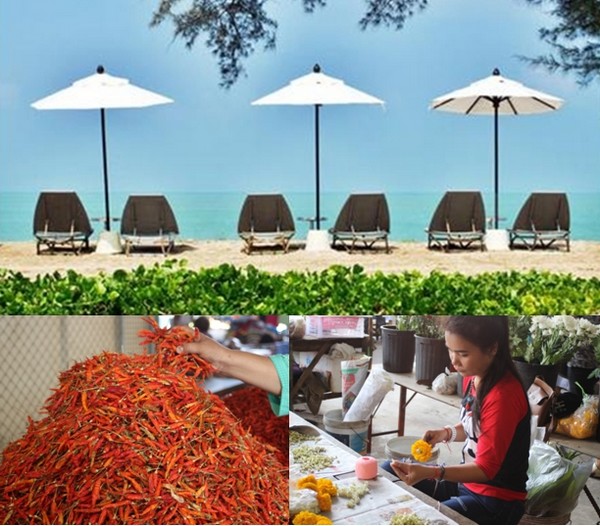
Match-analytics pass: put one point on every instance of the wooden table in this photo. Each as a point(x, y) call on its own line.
point(406, 382)
point(386, 493)
point(321, 346)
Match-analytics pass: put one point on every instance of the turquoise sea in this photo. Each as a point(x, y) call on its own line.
point(202, 215)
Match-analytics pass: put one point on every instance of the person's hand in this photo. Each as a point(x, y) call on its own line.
point(192, 332)
point(435, 436)
point(409, 473)
point(205, 347)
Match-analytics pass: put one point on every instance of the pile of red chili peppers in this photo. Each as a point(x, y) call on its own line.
point(251, 405)
point(134, 440)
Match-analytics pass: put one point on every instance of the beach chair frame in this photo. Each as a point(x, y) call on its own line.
point(60, 220)
point(148, 221)
point(542, 222)
point(265, 220)
point(457, 222)
point(363, 221)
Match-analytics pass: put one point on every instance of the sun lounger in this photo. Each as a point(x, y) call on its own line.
point(543, 220)
point(61, 220)
point(364, 219)
point(148, 221)
point(458, 221)
point(265, 219)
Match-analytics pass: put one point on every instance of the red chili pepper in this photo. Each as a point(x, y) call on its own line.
point(135, 440)
point(251, 405)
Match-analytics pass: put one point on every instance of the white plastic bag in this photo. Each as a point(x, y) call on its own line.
point(554, 482)
point(354, 374)
point(377, 385)
point(445, 383)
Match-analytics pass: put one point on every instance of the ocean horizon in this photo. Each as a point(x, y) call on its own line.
point(214, 215)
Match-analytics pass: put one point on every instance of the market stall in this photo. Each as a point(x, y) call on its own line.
point(383, 497)
point(409, 388)
point(136, 439)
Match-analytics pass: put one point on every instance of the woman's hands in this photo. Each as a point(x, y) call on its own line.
point(411, 473)
point(435, 436)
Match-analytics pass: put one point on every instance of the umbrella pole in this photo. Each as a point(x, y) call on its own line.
point(105, 167)
point(496, 103)
point(317, 174)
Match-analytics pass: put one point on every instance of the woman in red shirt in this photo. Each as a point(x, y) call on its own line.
point(489, 485)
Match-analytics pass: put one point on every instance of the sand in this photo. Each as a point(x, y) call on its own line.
point(583, 260)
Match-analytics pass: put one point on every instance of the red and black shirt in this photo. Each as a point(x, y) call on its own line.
point(500, 447)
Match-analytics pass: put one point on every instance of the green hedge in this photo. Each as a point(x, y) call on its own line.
point(172, 287)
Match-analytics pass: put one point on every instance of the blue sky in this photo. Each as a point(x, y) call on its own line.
point(213, 139)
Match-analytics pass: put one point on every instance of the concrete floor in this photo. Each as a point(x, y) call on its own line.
point(424, 413)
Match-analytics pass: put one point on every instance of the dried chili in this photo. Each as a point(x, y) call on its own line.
point(143, 445)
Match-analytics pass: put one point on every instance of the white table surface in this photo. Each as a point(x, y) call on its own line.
point(387, 495)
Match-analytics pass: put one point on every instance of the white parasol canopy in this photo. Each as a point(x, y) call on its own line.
point(317, 89)
point(496, 95)
point(101, 91)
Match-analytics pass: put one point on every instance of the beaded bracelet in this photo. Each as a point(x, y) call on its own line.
point(452, 430)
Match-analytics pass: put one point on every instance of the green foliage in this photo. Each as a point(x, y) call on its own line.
point(233, 28)
point(173, 287)
point(518, 335)
point(407, 323)
point(575, 39)
point(429, 327)
point(391, 13)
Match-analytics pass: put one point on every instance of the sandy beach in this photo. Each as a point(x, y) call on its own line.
point(583, 260)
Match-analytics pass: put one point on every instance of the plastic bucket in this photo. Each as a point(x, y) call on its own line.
point(352, 434)
point(431, 359)
point(398, 350)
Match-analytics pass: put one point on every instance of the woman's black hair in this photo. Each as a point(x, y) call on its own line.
point(485, 332)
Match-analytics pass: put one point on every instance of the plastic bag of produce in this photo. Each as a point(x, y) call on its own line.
point(583, 422)
point(554, 481)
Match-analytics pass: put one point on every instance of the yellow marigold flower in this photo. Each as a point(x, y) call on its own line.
point(308, 479)
point(324, 500)
point(326, 486)
point(307, 517)
point(323, 520)
point(421, 450)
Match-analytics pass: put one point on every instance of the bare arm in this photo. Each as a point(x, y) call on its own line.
point(435, 436)
point(411, 473)
point(249, 368)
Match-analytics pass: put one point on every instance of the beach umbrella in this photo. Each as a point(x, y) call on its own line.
point(496, 95)
point(316, 89)
point(101, 91)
